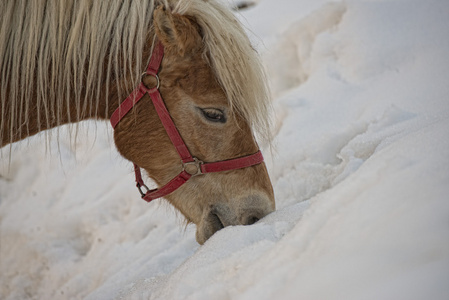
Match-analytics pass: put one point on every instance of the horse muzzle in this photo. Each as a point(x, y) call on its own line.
point(248, 211)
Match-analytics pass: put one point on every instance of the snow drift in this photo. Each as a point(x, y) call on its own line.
point(360, 174)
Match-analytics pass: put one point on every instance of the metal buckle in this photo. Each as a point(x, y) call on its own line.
point(196, 163)
point(139, 187)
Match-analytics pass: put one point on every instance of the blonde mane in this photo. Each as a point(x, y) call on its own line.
point(50, 49)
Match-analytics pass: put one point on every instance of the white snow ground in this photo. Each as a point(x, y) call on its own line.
point(361, 176)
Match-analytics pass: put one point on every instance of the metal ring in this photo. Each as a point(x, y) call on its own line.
point(158, 82)
point(139, 187)
point(197, 163)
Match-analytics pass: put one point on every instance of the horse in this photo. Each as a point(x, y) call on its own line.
point(63, 62)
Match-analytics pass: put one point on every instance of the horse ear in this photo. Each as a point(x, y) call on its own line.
point(179, 34)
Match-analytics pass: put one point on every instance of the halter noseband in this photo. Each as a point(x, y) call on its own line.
point(191, 166)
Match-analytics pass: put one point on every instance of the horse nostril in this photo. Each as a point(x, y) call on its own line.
point(216, 222)
point(251, 220)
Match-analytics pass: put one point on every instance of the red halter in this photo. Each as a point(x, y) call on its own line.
point(191, 166)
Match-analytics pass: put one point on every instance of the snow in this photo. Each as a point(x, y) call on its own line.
point(360, 172)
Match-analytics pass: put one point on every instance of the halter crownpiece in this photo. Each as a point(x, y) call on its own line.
point(191, 166)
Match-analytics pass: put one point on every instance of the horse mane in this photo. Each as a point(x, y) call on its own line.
point(53, 49)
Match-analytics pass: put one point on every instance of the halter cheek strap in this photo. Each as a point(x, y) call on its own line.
point(191, 166)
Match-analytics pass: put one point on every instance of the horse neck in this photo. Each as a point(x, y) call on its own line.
point(34, 115)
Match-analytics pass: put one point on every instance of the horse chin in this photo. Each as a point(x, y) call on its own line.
point(218, 216)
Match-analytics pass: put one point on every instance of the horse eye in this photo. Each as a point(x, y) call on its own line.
point(214, 115)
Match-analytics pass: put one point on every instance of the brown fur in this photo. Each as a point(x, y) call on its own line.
point(187, 84)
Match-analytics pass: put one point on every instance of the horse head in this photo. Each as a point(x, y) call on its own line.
point(213, 127)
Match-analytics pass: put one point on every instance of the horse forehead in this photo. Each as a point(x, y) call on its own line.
point(207, 98)
point(201, 77)
point(201, 84)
